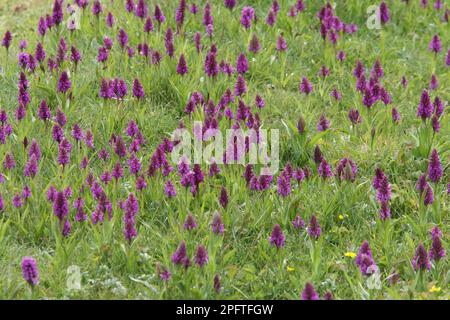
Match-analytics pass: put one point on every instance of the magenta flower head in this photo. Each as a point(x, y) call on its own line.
point(217, 285)
point(138, 90)
point(420, 260)
point(346, 170)
point(109, 20)
point(180, 13)
point(201, 256)
point(284, 185)
point(190, 223)
point(434, 82)
point(314, 229)
point(30, 271)
point(230, 4)
point(103, 54)
point(281, 44)
point(40, 53)
point(130, 207)
point(437, 251)
point(148, 26)
point(298, 222)
point(198, 41)
point(64, 150)
point(254, 45)
point(324, 71)
point(435, 124)
point(64, 84)
point(305, 86)
point(385, 211)
point(435, 44)
point(75, 55)
point(271, 18)
point(179, 256)
point(60, 206)
point(207, 15)
point(318, 156)
point(42, 26)
point(365, 261)
point(57, 15)
point(379, 175)
point(323, 124)
point(97, 8)
point(211, 66)
point(384, 190)
point(122, 37)
point(240, 88)
point(9, 162)
point(434, 167)
point(169, 189)
point(447, 58)
point(159, 15)
point(300, 6)
point(395, 115)
point(436, 232)
point(31, 167)
point(384, 13)
point(309, 293)
point(17, 201)
point(354, 116)
point(182, 67)
point(168, 42)
point(223, 199)
point(242, 64)
point(217, 225)
point(277, 237)
point(438, 107)
point(324, 170)
point(247, 15)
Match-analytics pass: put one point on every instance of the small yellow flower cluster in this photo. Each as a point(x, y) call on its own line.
point(350, 254)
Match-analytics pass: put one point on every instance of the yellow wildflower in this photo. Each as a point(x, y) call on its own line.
point(435, 289)
point(350, 254)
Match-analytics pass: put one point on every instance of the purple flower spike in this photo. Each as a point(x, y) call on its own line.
point(277, 237)
point(182, 67)
point(169, 189)
point(435, 44)
point(314, 229)
point(420, 260)
point(242, 64)
point(364, 260)
point(437, 251)
point(298, 222)
point(138, 90)
point(254, 45)
point(247, 15)
point(223, 199)
point(201, 256)
point(309, 293)
point(434, 167)
point(384, 13)
point(190, 223)
point(217, 225)
point(30, 271)
point(305, 86)
point(64, 84)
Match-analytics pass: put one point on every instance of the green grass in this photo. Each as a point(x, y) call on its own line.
point(249, 267)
